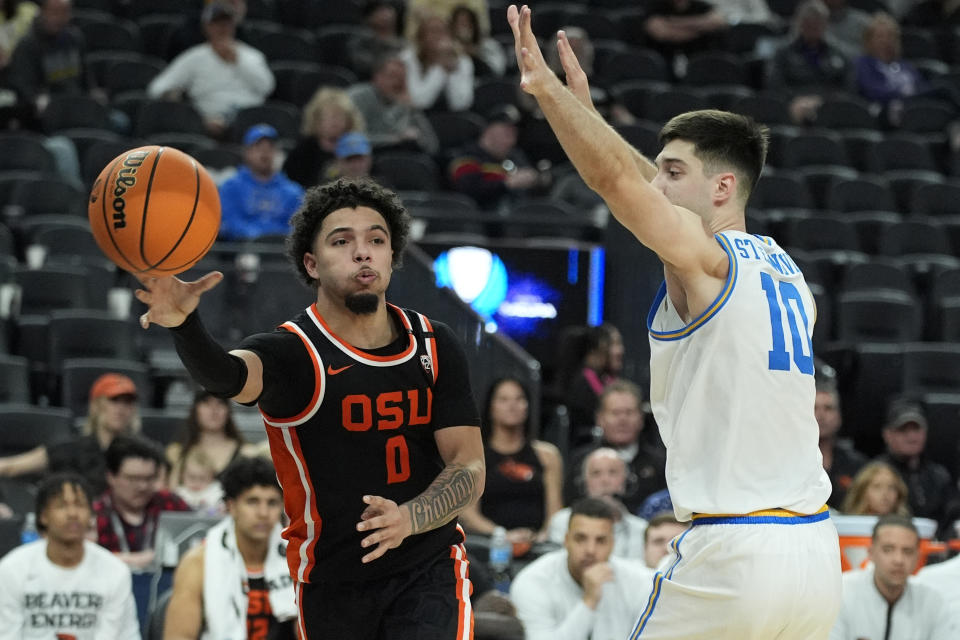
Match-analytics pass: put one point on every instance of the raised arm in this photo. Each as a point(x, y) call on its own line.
point(607, 163)
point(458, 485)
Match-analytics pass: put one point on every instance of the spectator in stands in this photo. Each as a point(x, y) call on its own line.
point(877, 490)
point(418, 9)
point(382, 21)
point(881, 74)
point(326, 118)
point(221, 76)
point(439, 74)
point(50, 60)
point(846, 26)
point(16, 18)
point(882, 602)
point(494, 171)
point(808, 65)
point(524, 477)
point(620, 418)
point(930, 488)
point(113, 411)
point(190, 31)
point(486, 53)
point(655, 504)
point(199, 486)
point(840, 460)
point(661, 529)
point(258, 200)
point(127, 512)
point(605, 476)
point(237, 584)
point(63, 585)
point(589, 359)
point(392, 120)
point(580, 591)
point(748, 12)
point(210, 429)
point(354, 157)
point(680, 28)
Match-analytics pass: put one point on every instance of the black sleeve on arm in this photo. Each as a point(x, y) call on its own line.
point(453, 401)
point(220, 373)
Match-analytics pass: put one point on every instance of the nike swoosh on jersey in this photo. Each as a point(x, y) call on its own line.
point(332, 372)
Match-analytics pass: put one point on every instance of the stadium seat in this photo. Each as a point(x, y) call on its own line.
point(68, 112)
point(942, 411)
point(275, 297)
point(664, 105)
point(283, 116)
point(164, 116)
point(79, 333)
point(455, 129)
point(823, 148)
point(903, 182)
point(156, 30)
point(878, 274)
point(768, 108)
point(539, 142)
point(408, 170)
point(14, 379)
point(875, 375)
point(284, 45)
point(922, 115)
point(878, 316)
point(635, 64)
point(715, 68)
point(820, 181)
point(98, 155)
point(780, 190)
point(846, 113)
point(114, 34)
point(859, 194)
point(78, 375)
point(67, 240)
point(903, 152)
point(48, 196)
point(597, 25)
point(936, 199)
point(219, 157)
point(918, 43)
point(26, 427)
point(643, 135)
point(869, 226)
point(131, 74)
point(819, 233)
point(43, 290)
point(162, 426)
point(297, 82)
point(26, 152)
point(860, 145)
point(913, 236)
point(931, 367)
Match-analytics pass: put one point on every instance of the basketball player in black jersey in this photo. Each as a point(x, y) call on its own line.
point(372, 425)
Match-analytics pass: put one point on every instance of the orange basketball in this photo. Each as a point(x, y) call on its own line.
point(154, 211)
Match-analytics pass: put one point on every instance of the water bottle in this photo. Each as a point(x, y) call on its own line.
point(29, 532)
point(501, 552)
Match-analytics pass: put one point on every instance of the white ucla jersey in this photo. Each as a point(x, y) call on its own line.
point(733, 390)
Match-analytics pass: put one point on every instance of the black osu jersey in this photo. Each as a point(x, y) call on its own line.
point(343, 423)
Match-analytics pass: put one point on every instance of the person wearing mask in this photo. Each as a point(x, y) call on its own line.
point(882, 601)
point(581, 591)
point(258, 200)
point(63, 585)
point(605, 476)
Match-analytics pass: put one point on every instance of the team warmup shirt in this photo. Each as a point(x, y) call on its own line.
point(344, 423)
point(733, 390)
point(42, 601)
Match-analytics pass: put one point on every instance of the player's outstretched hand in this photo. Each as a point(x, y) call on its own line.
point(576, 77)
point(535, 75)
point(390, 525)
point(170, 300)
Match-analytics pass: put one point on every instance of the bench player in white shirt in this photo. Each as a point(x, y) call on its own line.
point(732, 385)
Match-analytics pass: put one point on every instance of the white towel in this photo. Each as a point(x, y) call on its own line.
point(224, 577)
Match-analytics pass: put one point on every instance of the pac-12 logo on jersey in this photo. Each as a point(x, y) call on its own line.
point(425, 362)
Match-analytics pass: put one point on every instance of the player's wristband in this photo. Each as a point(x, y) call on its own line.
point(222, 374)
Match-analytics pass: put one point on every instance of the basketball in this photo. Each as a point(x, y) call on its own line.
point(154, 211)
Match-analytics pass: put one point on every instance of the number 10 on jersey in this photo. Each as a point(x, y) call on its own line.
point(784, 296)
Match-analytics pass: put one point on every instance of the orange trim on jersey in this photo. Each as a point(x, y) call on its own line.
point(432, 345)
point(361, 353)
point(301, 627)
point(461, 568)
point(317, 376)
point(295, 480)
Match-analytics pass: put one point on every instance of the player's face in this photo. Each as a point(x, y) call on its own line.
point(605, 475)
point(894, 554)
point(620, 418)
point(508, 406)
point(256, 511)
point(827, 411)
point(134, 483)
point(681, 178)
point(212, 414)
point(588, 541)
point(658, 542)
point(881, 493)
point(67, 516)
point(906, 441)
point(351, 253)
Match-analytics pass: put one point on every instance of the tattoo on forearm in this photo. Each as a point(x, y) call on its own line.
point(448, 495)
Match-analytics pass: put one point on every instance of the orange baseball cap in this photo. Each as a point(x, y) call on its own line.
point(111, 385)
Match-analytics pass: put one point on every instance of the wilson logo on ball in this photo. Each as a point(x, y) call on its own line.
point(126, 179)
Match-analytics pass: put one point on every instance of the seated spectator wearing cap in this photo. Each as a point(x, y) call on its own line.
point(393, 122)
point(883, 601)
point(930, 488)
point(112, 412)
point(326, 118)
point(605, 476)
point(127, 512)
point(220, 76)
point(63, 585)
point(580, 591)
point(258, 200)
point(494, 171)
point(354, 157)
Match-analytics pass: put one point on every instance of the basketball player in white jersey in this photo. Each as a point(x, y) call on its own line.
point(732, 385)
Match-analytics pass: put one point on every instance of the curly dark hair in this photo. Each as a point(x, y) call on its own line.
point(319, 202)
point(245, 473)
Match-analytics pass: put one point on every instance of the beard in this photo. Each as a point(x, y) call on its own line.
point(362, 303)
